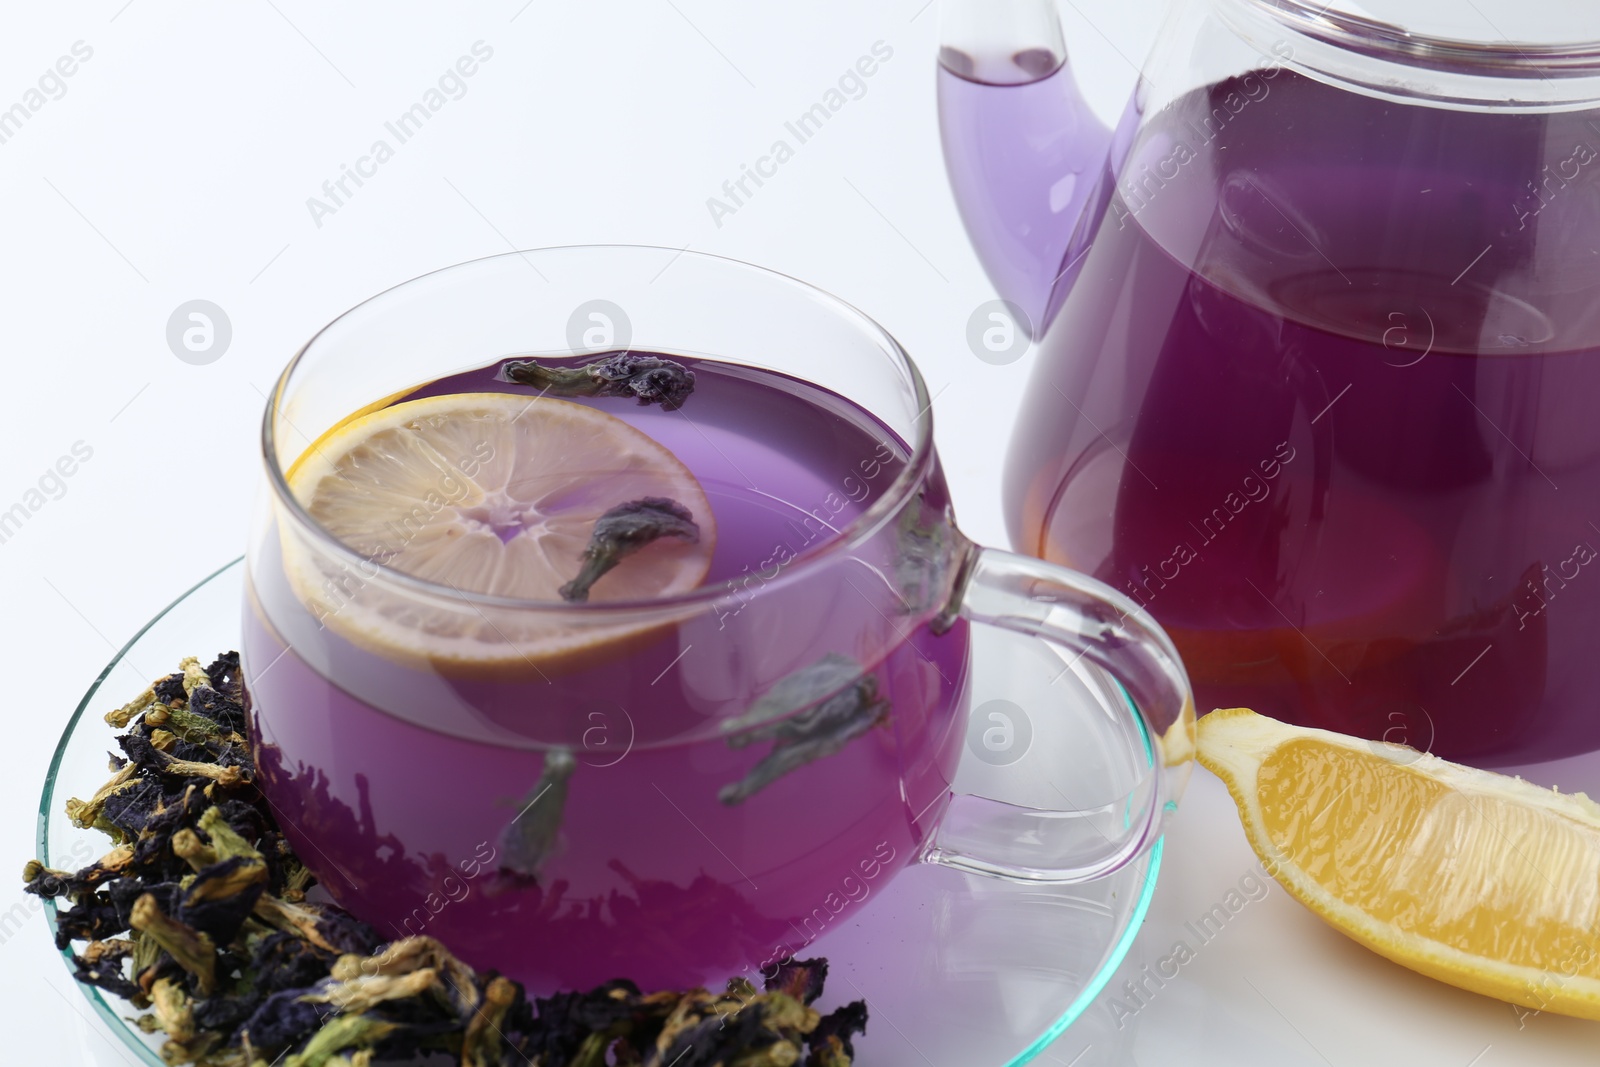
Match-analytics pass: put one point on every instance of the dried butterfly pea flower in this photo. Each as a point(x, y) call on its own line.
point(821, 730)
point(228, 842)
point(120, 717)
point(284, 1019)
point(222, 896)
point(559, 1025)
point(94, 918)
point(187, 846)
point(86, 813)
point(224, 1014)
point(757, 1028)
point(832, 1042)
point(325, 926)
point(239, 970)
point(146, 817)
point(483, 1041)
point(191, 949)
point(363, 993)
point(801, 979)
point(193, 673)
point(931, 557)
point(707, 1042)
point(649, 379)
point(187, 725)
point(530, 837)
point(410, 956)
point(173, 1013)
point(145, 755)
point(341, 1033)
point(102, 964)
point(624, 530)
point(44, 882)
point(830, 676)
point(282, 960)
point(225, 675)
point(170, 690)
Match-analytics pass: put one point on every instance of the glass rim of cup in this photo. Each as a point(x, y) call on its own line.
point(857, 532)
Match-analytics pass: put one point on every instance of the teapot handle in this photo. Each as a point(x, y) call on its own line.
point(1026, 157)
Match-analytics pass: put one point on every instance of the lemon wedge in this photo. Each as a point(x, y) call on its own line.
point(490, 493)
point(1487, 882)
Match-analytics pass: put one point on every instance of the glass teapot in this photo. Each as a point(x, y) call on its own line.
point(1318, 367)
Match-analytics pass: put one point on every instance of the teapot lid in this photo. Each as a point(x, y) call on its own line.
point(1462, 53)
point(1548, 33)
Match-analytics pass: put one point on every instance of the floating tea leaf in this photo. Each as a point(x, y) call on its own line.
point(651, 379)
point(624, 530)
point(823, 729)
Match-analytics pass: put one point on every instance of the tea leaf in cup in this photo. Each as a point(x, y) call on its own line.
point(530, 837)
point(832, 675)
point(820, 730)
point(650, 379)
point(624, 530)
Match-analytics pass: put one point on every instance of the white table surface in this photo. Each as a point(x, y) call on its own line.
point(176, 164)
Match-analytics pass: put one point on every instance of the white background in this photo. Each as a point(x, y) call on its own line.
point(177, 166)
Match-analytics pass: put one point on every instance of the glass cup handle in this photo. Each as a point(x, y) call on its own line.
point(1091, 621)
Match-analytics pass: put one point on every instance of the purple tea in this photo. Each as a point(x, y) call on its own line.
point(1322, 396)
point(690, 800)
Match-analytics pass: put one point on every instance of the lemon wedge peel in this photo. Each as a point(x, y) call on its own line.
point(1236, 743)
point(1178, 742)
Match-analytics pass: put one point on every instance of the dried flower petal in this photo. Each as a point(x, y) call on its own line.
point(122, 716)
point(85, 814)
point(238, 969)
point(284, 1020)
point(530, 837)
point(801, 979)
point(649, 379)
point(831, 1041)
point(191, 949)
point(624, 530)
point(222, 896)
point(816, 733)
point(834, 675)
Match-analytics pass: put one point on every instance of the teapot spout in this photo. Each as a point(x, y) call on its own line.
point(1026, 158)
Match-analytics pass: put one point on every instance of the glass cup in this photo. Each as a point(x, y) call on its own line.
point(678, 789)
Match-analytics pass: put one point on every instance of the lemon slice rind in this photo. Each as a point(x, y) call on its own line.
point(1234, 742)
point(444, 629)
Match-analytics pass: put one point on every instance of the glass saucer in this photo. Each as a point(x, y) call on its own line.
point(957, 970)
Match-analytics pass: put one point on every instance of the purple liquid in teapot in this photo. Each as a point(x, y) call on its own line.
point(1325, 397)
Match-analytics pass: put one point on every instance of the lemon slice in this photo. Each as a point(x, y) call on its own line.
point(488, 493)
point(1483, 881)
